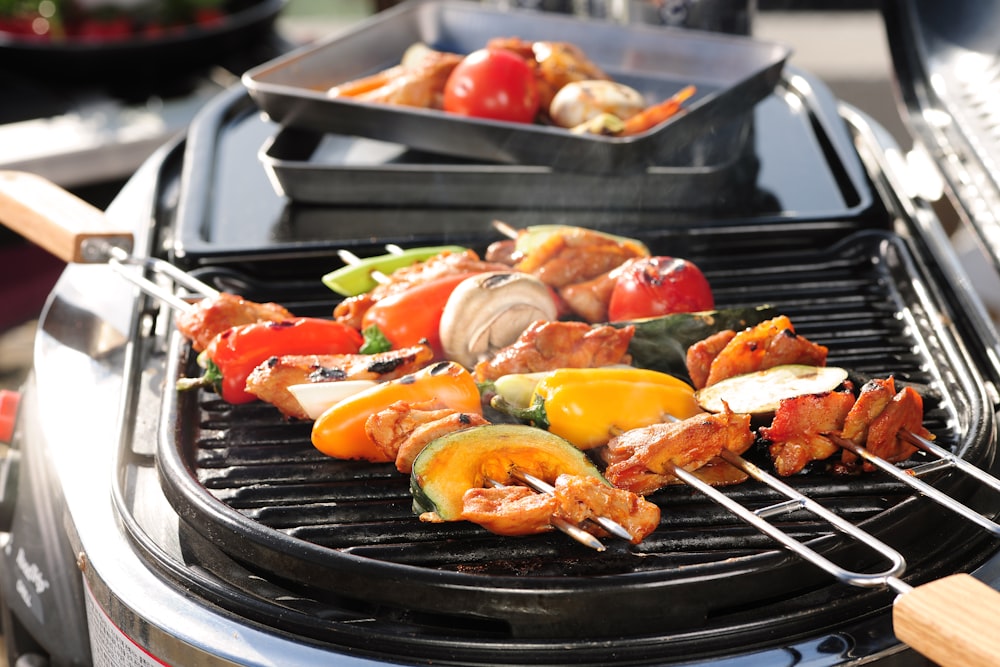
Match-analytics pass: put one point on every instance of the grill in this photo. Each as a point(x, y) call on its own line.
point(253, 485)
point(226, 538)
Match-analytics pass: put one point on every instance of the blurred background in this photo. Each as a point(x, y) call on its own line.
point(88, 133)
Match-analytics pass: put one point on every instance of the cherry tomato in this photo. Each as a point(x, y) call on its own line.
point(653, 286)
point(495, 84)
point(413, 315)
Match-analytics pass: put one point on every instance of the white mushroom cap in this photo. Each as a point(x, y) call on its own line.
point(488, 311)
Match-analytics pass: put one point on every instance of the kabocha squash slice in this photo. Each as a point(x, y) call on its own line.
point(465, 459)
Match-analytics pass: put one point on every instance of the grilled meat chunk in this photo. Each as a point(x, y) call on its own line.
point(881, 436)
point(701, 354)
point(583, 498)
point(904, 412)
point(574, 256)
point(270, 381)
point(403, 429)
point(589, 299)
point(797, 431)
point(642, 460)
point(213, 315)
point(509, 510)
point(517, 510)
point(546, 346)
point(766, 345)
point(872, 400)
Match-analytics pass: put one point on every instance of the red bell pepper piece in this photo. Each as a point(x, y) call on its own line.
point(236, 352)
point(413, 316)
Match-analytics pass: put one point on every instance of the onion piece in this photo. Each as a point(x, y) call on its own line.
point(488, 311)
point(316, 397)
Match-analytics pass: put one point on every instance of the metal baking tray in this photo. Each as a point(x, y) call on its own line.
point(314, 168)
point(731, 73)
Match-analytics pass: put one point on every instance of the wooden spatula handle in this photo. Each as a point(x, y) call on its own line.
point(55, 219)
point(952, 621)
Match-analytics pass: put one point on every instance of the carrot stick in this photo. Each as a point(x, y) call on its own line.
point(365, 84)
point(654, 115)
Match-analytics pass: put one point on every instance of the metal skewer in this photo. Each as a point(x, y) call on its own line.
point(758, 519)
point(577, 533)
point(946, 458)
point(118, 259)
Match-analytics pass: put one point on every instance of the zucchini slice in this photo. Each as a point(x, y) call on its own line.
point(759, 393)
point(462, 460)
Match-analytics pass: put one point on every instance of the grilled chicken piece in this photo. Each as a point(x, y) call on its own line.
point(504, 251)
point(796, 433)
point(581, 498)
point(589, 299)
point(766, 345)
point(517, 510)
point(403, 429)
point(641, 460)
point(701, 354)
point(903, 411)
point(270, 381)
point(575, 256)
point(548, 345)
point(213, 315)
point(415, 84)
point(509, 510)
point(351, 310)
point(555, 63)
point(872, 400)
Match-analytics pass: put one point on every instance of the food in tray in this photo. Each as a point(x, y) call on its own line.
point(513, 80)
point(529, 399)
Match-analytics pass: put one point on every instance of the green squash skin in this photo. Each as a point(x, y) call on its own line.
point(661, 343)
point(466, 449)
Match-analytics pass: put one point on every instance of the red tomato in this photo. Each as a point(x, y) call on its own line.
point(413, 315)
point(495, 84)
point(653, 286)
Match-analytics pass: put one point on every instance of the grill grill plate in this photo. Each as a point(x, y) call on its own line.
point(253, 485)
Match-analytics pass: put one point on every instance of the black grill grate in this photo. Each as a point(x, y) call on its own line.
point(253, 485)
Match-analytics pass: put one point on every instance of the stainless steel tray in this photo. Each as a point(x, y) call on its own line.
point(315, 168)
point(731, 74)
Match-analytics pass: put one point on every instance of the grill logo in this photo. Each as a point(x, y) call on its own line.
point(31, 572)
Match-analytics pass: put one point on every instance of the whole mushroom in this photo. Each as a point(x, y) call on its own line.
point(488, 311)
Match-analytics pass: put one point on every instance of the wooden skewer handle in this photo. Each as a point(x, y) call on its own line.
point(55, 219)
point(952, 621)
